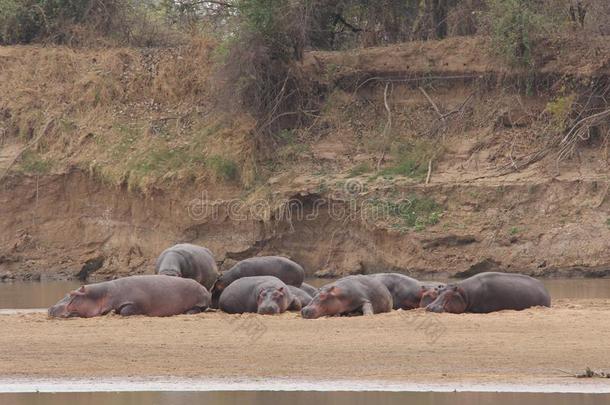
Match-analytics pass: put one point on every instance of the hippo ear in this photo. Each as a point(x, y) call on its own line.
point(81, 291)
point(281, 290)
point(332, 290)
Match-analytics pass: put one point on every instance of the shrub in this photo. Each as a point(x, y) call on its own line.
point(224, 169)
point(514, 24)
point(75, 21)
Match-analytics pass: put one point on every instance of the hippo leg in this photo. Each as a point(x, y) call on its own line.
point(295, 305)
point(128, 309)
point(367, 308)
point(193, 311)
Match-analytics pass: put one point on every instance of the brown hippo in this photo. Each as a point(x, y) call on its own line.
point(285, 269)
point(349, 295)
point(301, 295)
point(489, 292)
point(406, 292)
point(309, 289)
point(265, 295)
point(136, 295)
point(188, 261)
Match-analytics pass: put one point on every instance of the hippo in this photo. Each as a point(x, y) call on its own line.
point(285, 269)
point(430, 292)
point(489, 292)
point(406, 292)
point(309, 289)
point(350, 295)
point(302, 295)
point(135, 295)
point(266, 295)
point(188, 261)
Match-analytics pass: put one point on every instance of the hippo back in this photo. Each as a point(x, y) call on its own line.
point(195, 262)
point(285, 269)
point(405, 291)
point(367, 288)
point(144, 295)
point(160, 295)
point(492, 291)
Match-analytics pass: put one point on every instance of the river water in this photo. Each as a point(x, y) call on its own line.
point(302, 398)
point(45, 294)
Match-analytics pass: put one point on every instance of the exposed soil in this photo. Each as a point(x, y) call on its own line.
point(532, 346)
point(85, 215)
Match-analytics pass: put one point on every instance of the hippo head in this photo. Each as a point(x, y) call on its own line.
point(451, 299)
point(270, 300)
point(59, 310)
point(429, 293)
point(327, 302)
point(84, 302)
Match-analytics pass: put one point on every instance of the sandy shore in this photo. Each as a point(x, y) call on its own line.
point(527, 347)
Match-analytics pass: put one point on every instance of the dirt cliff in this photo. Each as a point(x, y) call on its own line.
point(424, 158)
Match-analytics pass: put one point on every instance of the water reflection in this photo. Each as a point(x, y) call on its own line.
point(303, 398)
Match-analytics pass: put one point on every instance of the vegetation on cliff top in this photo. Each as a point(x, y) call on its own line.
point(216, 89)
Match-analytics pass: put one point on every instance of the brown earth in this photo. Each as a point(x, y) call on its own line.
point(104, 121)
point(531, 347)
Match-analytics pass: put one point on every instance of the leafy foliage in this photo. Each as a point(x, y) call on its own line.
point(514, 23)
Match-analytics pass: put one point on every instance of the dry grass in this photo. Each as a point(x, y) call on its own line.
point(133, 117)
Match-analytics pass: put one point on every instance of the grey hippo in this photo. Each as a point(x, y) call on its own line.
point(406, 292)
point(188, 261)
point(289, 272)
point(135, 295)
point(266, 295)
point(350, 295)
point(489, 292)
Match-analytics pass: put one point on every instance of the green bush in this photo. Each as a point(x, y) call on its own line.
point(22, 21)
point(514, 25)
point(80, 21)
point(224, 169)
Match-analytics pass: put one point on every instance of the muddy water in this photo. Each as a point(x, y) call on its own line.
point(34, 294)
point(304, 398)
point(45, 294)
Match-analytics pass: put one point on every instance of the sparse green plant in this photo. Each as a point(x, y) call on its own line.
point(287, 135)
point(412, 159)
point(560, 109)
point(34, 163)
point(415, 212)
point(514, 230)
point(224, 168)
point(359, 170)
point(322, 187)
